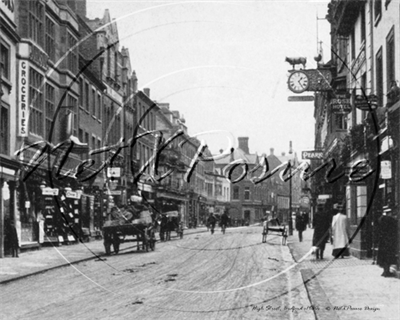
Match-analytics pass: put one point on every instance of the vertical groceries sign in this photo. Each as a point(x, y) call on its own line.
point(23, 107)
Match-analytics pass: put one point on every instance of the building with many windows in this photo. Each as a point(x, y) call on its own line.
point(357, 123)
point(9, 166)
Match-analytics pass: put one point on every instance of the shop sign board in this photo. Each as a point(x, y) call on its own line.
point(23, 99)
point(114, 172)
point(113, 192)
point(366, 103)
point(300, 98)
point(312, 155)
point(50, 191)
point(386, 170)
point(73, 195)
point(340, 104)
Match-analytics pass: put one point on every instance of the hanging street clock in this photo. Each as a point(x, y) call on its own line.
point(298, 81)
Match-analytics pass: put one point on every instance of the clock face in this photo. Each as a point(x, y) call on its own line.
point(298, 82)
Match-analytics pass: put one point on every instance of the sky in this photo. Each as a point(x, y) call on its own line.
point(221, 64)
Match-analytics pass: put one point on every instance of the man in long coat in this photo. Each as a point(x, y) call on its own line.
point(387, 243)
point(340, 233)
point(321, 223)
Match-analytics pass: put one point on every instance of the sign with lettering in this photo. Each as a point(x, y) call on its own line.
point(340, 104)
point(73, 195)
point(23, 98)
point(312, 155)
point(113, 192)
point(300, 98)
point(386, 170)
point(366, 103)
point(50, 192)
point(39, 57)
point(114, 172)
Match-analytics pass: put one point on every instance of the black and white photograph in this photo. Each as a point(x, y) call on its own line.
point(200, 159)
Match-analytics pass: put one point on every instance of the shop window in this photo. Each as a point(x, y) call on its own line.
point(235, 193)
point(4, 61)
point(35, 102)
point(4, 130)
point(390, 59)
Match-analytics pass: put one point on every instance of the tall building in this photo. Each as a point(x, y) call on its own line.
point(9, 89)
point(364, 105)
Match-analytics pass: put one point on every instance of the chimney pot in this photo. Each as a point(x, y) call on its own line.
point(146, 91)
point(272, 151)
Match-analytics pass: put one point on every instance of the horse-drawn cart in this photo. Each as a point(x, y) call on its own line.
point(171, 221)
point(133, 222)
point(273, 225)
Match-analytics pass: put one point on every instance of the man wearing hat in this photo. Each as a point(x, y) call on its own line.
point(340, 233)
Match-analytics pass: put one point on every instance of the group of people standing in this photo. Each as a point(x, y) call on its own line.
point(336, 230)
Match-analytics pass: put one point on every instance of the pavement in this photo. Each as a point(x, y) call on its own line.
point(344, 289)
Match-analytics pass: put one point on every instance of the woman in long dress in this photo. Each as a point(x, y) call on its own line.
point(340, 234)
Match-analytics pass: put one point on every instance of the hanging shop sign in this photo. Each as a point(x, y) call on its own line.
point(114, 172)
point(340, 104)
point(312, 155)
point(50, 191)
point(386, 170)
point(366, 103)
point(23, 98)
point(73, 194)
point(300, 98)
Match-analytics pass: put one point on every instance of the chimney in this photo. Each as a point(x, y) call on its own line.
point(81, 8)
point(221, 150)
point(146, 91)
point(283, 154)
point(244, 144)
point(271, 151)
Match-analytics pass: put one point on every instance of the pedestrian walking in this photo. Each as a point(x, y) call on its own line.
point(340, 233)
point(387, 242)
point(13, 239)
point(300, 225)
point(321, 225)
